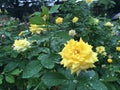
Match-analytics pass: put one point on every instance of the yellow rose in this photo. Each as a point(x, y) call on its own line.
point(21, 45)
point(59, 20)
point(72, 33)
point(100, 49)
point(75, 19)
point(118, 48)
point(37, 29)
point(108, 24)
point(89, 1)
point(109, 60)
point(78, 56)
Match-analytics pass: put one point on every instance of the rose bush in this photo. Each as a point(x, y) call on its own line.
point(63, 47)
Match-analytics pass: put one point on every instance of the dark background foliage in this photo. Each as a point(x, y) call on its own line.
point(23, 8)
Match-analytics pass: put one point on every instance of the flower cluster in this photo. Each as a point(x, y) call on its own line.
point(21, 45)
point(78, 56)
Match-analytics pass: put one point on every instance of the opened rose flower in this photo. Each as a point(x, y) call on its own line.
point(75, 19)
point(59, 20)
point(21, 45)
point(78, 56)
point(37, 29)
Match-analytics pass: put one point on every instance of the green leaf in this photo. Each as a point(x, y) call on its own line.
point(111, 86)
point(66, 72)
point(1, 78)
point(32, 82)
point(36, 13)
point(45, 50)
point(46, 61)
point(88, 80)
point(36, 20)
point(14, 54)
point(69, 86)
point(54, 9)
point(9, 78)
point(32, 69)
point(97, 85)
point(44, 10)
point(16, 72)
point(34, 37)
point(88, 75)
point(10, 66)
point(53, 78)
point(1, 64)
point(62, 34)
point(110, 79)
point(34, 51)
point(84, 87)
point(40, 86)
point(58, 40)
point(43, 39)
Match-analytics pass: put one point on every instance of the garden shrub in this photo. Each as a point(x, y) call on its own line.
point(70, 50)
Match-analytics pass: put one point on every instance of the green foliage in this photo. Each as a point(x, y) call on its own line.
point(32, 69)
point(56, 78)
point(54, 9)
point(9, 79)
point(38, 67)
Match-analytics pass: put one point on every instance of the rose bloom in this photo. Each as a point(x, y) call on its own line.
point(77, 56)
point(118, 48)
point(21, 45)
point(72, 33)
point(89, 1)
point(100, 49)
point(109, 60)
point(108, 24)
point(75, 19)
point(59, 20)
point(37, 29)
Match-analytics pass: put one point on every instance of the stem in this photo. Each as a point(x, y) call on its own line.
point(37, 86)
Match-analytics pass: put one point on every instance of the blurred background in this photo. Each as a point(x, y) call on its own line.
point(23, 8)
